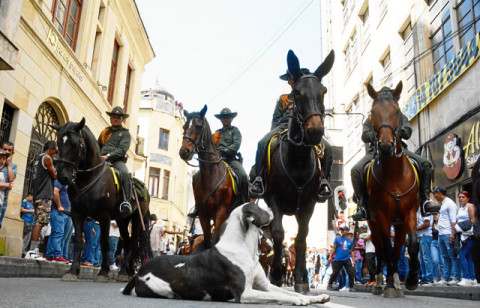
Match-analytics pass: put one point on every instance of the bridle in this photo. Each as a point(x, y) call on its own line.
point(396, 136)
point(298, 117)
point(200, 145)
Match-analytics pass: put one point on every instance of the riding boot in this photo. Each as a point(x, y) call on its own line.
point(427, 207)
point(325, 191)
point(125, 206)
point(363, 213)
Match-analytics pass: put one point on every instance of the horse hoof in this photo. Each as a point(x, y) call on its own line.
point(400, 293)
point(302, 288)
point(411, 287)
point(69, 277)
point(377, 290)
point(390, 293)
point(101, 278)
point(122, 278)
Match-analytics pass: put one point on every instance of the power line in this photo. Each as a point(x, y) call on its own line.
point(299, 12)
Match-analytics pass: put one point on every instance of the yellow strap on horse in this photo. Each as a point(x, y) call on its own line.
point(368, 171)
point(269, 149)
point(411, 164)
point(115, 178)
point(414, 170)
point(231, 177)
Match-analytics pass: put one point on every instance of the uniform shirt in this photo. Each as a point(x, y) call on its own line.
point(420, 221)
point(28, 218)
point(448, 211)
point(114, 142)
point(64, 200)
point(280, 113)
point(342, 252)
point(228, 140)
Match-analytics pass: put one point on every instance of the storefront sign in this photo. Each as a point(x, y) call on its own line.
point(53, 41)
point(455, 152)
point(427, 92)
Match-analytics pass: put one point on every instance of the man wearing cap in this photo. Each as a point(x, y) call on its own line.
point(228, 140)
point(369, 136)
point(344, 256)
point(279, 124)
point(446, 236)
point(114, 142)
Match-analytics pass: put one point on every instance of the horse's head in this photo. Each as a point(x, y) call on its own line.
point(194, 133)
point(71, 150)
point(308, 108)
point(385, 117)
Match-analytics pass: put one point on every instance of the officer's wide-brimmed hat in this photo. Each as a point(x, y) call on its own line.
point(287, 74)
point(226, 112)
point(118, 111)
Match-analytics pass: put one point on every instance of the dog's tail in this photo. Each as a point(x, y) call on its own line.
point(129, 287)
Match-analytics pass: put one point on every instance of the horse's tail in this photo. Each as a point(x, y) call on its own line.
point(129, 287)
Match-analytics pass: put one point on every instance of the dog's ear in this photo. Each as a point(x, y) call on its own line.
point(247, 220)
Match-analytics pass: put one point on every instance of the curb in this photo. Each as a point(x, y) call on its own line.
point(18, 267)
point(454, 292)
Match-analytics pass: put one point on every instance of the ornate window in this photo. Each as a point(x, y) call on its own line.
point(153, 181)
point(113, 72)
point(127, 89)
point(166, 182)
point(66, 17)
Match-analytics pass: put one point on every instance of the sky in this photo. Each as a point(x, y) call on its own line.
point(230, 53)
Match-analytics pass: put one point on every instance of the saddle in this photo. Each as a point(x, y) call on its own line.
point(138, 185)
point(234, 177)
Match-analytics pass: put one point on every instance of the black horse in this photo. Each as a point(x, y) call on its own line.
point(475, 251)
point(92, 192)
point(294, 179)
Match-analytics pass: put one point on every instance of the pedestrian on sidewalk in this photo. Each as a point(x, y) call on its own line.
point(344, 258)
point(9, 170)
point(437, 259)
point(28, 216)
point(114, 236)
point(58, 223)
point(359, 253)
point(424, 233)
point(369, 254)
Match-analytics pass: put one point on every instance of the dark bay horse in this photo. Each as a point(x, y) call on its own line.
point(392, 188)
point(213, 192)
point(92, 192)
point(294, 178)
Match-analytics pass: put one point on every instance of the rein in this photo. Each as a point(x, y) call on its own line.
point(199, 146)
point(216, 187)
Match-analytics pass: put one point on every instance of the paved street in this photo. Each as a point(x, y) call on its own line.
point(52, 292)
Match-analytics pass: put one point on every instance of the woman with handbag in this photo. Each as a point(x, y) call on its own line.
point(464, 231)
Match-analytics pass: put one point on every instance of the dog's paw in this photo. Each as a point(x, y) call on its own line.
point(322, 298)
point(302, 301)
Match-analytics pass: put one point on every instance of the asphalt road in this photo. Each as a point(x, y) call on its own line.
point(52, 292)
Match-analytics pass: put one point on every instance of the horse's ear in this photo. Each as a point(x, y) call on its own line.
point(203, 111)
point(56, 127)
point(186, 113)
point(326, 66)
point(80, 125)
point(371, 91)
point(397, 91)
point(293, 65)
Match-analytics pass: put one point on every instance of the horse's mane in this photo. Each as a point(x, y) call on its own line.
point(69, 127)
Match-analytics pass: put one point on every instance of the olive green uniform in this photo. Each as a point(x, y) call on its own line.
point(116, 148)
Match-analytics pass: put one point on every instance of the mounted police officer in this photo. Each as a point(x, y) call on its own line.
point(114, 143)
point(279, 124)
point(369, 137)
point(227, 141)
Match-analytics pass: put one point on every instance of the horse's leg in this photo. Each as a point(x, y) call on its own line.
point(413, 248)
point(206, 227)
point(379, 253)
point(220, 218)
point(133, 247)
point(300, 272)
point(396, 256)
point(278, 236)
point(78, 222)
point(123, 227)
point(105, 247)
point(391, 259)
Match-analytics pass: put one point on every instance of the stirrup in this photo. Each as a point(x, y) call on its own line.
point(125, 207)
point(256, 189)
point(427, 208)
point(325, 191)
point(360, 215)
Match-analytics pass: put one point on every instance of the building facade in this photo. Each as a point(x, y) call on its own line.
point(160, 131)
point(75, 59)
point(432, 47)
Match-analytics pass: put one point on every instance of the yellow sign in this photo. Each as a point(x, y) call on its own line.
point(441, 80)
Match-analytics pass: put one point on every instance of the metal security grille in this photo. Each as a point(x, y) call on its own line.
point(41, 133)
point(6, 123)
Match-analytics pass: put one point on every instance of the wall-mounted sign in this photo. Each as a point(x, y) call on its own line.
point(53, 41)
point(452, 157)
point(428, 91)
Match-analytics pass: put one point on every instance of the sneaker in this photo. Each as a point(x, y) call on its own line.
point(352, 290)
point(474, 283)
point(113, 267)
point(427, 284)
point(441, 282)
point(49, 258)
point(344, 289)
point(330, 288)
point(453, 282)
point(465, 282)
point(60, 259)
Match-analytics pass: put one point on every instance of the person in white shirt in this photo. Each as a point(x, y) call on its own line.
point(157, 231)
point(424, 233)
point(370, 254)
point(446, 236)
point(114, 236)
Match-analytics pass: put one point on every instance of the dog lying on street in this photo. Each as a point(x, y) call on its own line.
point(229, 270)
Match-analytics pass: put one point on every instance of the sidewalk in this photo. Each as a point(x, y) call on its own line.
point(18, 267)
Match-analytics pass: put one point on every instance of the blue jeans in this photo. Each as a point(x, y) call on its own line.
point(113, 248)
point(87, 231)
point(67, 236)
point(466, 263)
point(358, 270)
point(403, 267)
point(57, 222)
point(4, 208)
point(451, 266)
point(95, 248)
point(425, 256)
point(436, 260)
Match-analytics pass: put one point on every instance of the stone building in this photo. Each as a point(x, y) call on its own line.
point(75, 59)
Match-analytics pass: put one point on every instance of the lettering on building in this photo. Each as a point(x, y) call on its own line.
point(54, 41)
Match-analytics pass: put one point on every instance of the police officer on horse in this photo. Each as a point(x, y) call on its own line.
point(279, 124)
point(114, 142)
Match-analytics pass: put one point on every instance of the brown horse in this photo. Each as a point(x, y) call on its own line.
point(213, 191)
point(294, 179)
point(392, 189)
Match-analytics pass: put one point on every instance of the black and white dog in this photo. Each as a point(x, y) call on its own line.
point(229, 270)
